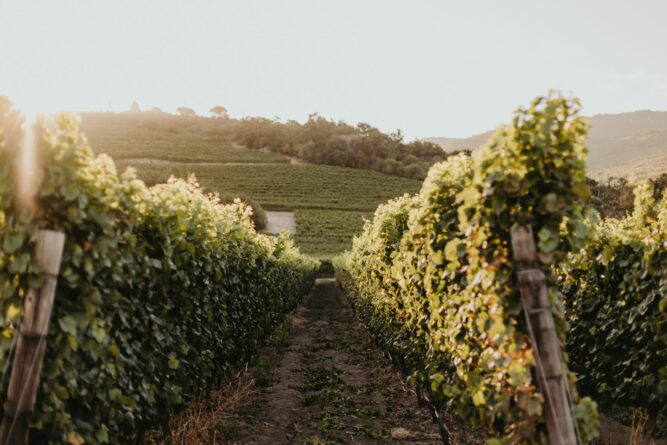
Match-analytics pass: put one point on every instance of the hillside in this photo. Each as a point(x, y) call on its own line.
point(622, 144)
point(329, 202)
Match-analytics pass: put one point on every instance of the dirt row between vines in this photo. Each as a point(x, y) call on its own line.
point(320, 382)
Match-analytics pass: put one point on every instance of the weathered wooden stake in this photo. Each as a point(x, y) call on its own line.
point(27, 364)
point(549, 357)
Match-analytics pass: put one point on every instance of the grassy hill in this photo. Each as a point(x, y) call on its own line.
point(625, 144)
point(178, 138)
point(329, 202)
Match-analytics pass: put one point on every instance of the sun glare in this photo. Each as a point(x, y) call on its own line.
point(26, 166)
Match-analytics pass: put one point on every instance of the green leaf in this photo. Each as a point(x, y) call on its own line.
point(13, 311)
point(464, 351)
point(74, 439)
point(478, 398)
point(102, 435)
point(552, 203)
point(67, 324)
point(12, 242)
point(115, 394)
point(497, 328)
point(99, 334)
point(174, 363)
point(607, 255)
point(156, 263)
point(662, 305)
point(20, 264)
point(548, 240)
point(73, 342)
point(451, 250)
point(518, 374)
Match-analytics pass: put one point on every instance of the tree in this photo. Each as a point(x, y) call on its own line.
point(185, 111)
point(218, 111)
point(156, 110)
point(396, 136)
point(391, 167)
point(134, 108)
point(415, 171)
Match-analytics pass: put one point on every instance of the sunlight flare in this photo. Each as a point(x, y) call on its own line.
point(26, 166)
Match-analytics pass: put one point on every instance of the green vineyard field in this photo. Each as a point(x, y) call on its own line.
point(162, 292)
point(181, 146)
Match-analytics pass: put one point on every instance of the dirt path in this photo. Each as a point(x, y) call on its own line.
point(157, 161)
point(330, 387)
point(320, 381)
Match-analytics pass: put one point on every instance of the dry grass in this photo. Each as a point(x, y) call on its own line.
point(215, 418)
point(640, 435)
point(640, 432)
point(204, 420)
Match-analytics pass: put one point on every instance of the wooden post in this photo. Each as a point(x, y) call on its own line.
point(544, 339)
point(27, 364)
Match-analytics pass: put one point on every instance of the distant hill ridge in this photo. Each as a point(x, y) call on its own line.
point(623, 144)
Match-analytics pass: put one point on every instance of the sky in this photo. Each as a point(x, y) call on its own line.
point(429, 68)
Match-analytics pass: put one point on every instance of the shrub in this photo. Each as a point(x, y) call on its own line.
point(415, 171)
point(162, 291)
point(616, 303)
point(434, 279)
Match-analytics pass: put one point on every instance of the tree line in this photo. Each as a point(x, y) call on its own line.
point(324, 141)
point(319, 140)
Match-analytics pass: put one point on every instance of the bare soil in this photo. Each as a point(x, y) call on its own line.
point(331, 386)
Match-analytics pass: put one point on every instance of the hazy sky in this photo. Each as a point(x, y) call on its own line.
point(445, 68)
